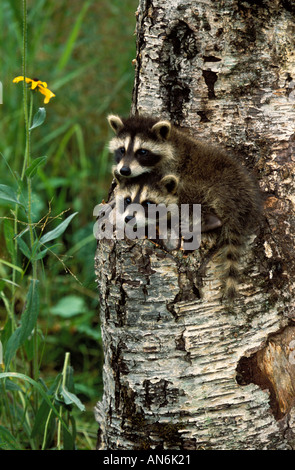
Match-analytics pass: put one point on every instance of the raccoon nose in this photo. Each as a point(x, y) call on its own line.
point(125, 171)
point(128, 218)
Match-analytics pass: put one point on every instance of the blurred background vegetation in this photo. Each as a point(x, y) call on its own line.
point(84, 51)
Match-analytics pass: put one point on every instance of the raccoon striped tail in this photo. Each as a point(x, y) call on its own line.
point(229, 257)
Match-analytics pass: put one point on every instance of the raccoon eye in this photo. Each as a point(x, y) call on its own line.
point(147, 203)
point(142, 152)
point(127, 200)
point(122, 150)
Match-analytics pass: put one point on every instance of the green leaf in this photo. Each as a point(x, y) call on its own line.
point(13, 266)
point(39, 118)
point(28, 322)
point(68, 438)
point(12, 387)
point(41, 254)
point(40, 390)
point(43, 413)
point(24, 247)
point(7, 441)
point(44, 252)
point(69, 306)
point(8, 194)
point(32, 169)
point(9, 236)
point(59, 230)
point(44, 410)
point(71, 398)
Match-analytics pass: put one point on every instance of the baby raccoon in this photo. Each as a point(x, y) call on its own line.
point(141, 145)
point(138, 199)
point(206, 175)
point(152, 200)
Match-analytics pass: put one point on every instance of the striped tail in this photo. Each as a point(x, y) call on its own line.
point(229, 258)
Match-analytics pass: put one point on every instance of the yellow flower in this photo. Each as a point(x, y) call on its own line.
point(41, 86)
point(46, 92)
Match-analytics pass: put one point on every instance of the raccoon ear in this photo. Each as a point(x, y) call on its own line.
point(170, 183)
point(162, 129)
point(115, 122)
point(210, 222)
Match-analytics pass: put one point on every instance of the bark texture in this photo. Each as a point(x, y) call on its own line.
point(183, 371)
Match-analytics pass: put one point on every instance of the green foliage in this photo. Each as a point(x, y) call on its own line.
point(54, 169)
point(56, 402)
point(28, 323)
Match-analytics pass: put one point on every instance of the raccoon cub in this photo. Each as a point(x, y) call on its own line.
point(207, 175)
point(153, 203)
point(147, 202)
point(141, 145)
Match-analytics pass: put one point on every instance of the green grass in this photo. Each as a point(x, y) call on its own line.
point(51, 178)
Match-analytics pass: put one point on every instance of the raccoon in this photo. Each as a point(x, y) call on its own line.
point(141, 145)
point(137, 196)
point(152, 148)
point(161, 192)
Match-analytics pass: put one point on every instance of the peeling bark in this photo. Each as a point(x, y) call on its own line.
point(182, 370)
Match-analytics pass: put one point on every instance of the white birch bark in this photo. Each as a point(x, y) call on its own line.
point(181, 370)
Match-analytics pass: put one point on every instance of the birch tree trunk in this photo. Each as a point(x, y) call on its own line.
point(181, 370)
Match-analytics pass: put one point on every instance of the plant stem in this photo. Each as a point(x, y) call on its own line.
point(64, 380)
point(25, 90)
point(25, 105)
point(28, 113)
point(27, 162)
point(46, 430)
